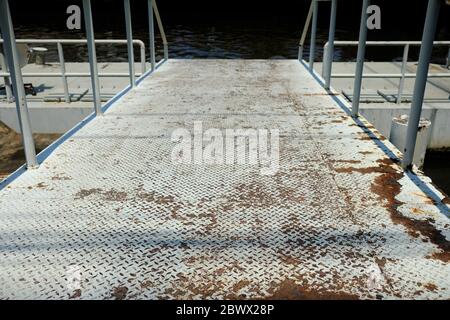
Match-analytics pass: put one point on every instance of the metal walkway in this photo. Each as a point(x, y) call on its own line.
point(340, 219)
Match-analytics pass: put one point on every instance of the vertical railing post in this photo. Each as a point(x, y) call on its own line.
point(305, 31)
point(312, 47)
point(151, 29)
point(401, 85)
point(92, 55)
point(447, 65)
point(161, 30)
point(129, 30)
point(360, 59)
point(143, 63)
point(166, 51)
point(330, 48)
point(63, 72)
point(6, 80)
point(421, 81)
point(12, 57)
point(325, 59)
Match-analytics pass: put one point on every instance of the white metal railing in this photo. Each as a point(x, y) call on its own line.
point(63, 74)
point(305, 31)
point(15, 74)
point(426, 46)
point(402, 75)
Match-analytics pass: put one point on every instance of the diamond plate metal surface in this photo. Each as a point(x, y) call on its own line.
point(110, 202)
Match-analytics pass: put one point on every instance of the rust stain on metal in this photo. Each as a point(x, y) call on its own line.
point(110, 195)
point(146, 284)
point(387, 186)
point(113, 195)
point(346, 161)
point(40, 185)
point(240, 285)
point(120, 293)
point(288, 259)
point(431, 287)
point(61, 177)
point(384, 166)
point(83, 193)
point(202, 290)
point(425, 198)
point(290, 290)
point(76, 294)
point(443, 255)
point(368, 138)
point(257, 195)
point(156, 198)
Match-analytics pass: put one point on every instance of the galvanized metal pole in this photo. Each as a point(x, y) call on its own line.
point(330, 48)
point(92, 56)
point(312, 47)
point(305, 31)
point(421, 81)
point(360, 59)
point(325, 59)
point(6, 80)
point(12, 57)
point(401, 85)
point(129, 30)
point(448, 58)
point(166, 51)
point(161, 30)
point(143, 62)
point(63, 72)
point(151, 26)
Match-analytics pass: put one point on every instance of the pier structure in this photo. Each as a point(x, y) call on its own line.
point(109, 212)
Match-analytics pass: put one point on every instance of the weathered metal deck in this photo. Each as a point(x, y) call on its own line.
point(340, 219)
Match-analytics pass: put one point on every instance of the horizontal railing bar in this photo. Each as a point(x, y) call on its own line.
point(389, 43)
point(390, 75)
point(81, 41)
point(76, 41)
point(70, 74)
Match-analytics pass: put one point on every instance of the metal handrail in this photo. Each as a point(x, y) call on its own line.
point(305, 31)
point(161, 30)
point(153, 11)
point(312, 18)
point(402, 75)
point(61, 60)
point(390, 43)
point(15, 72)
point(426, 46)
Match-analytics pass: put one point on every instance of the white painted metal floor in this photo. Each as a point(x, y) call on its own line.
point(339, 219)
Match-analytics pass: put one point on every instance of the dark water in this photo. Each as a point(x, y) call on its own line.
point(228, 29)
point(218, 41)
point(437, 167)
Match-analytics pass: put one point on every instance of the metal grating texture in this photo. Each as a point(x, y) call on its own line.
point(338, 220)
